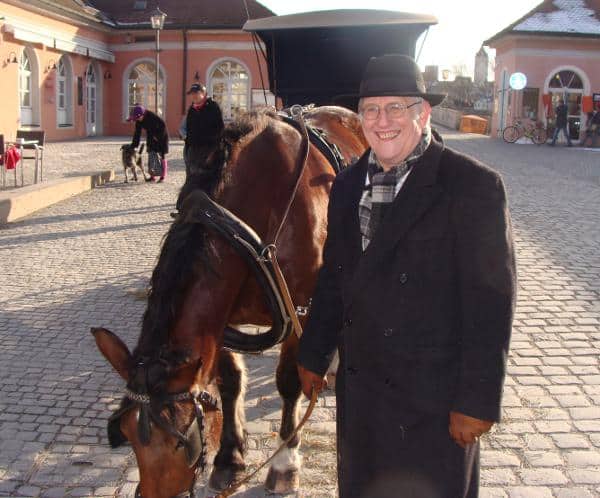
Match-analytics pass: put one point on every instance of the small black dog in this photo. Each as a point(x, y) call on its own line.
point(131, 159)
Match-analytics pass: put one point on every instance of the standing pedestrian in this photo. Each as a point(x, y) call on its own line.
point(417, 290)
point(157, 140)
point(203, 130)
point(561, 111)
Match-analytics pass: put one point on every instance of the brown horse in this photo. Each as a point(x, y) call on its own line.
point(201, 286)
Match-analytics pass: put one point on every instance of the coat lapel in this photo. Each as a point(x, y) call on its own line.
point(356, 184)
point(414, 199)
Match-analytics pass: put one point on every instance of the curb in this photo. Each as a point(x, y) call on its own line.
point(18, 203)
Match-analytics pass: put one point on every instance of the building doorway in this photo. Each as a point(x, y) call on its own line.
point(25, 89)
point(567, 85)
point(90, 101)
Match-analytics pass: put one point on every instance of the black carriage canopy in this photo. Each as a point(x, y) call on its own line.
point(314, 56)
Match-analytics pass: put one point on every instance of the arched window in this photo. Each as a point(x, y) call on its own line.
point(64, 93)
point(141, 86)
point(229, 84)
point(25, 87)
point(566, 80)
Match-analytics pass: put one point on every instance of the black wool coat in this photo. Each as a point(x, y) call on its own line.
point(205, 125)
point(422, 318)
point(157, 136)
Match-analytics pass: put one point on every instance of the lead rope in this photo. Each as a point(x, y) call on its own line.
point(234, 486)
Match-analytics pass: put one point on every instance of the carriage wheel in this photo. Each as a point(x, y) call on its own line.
point(539, 136)
point(511, 134)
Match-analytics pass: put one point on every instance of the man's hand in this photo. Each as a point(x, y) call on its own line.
point(466, 430)
point(310, 380)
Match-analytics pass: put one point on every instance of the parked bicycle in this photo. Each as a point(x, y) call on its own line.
point(534, 131)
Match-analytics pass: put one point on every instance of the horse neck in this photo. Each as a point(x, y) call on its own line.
point(207, 306)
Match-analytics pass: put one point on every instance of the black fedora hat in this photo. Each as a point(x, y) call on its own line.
point(392, 75)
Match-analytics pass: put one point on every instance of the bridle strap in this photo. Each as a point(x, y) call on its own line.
point(296, 113)
point(204, 397)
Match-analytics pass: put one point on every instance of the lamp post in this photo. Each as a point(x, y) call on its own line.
point(158, 20)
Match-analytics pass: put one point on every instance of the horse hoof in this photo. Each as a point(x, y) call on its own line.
point(282, 481)
point(221, 478)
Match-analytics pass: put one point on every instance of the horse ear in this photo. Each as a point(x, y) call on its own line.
point(114, 350)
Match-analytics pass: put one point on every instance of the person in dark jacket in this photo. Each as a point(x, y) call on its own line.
point(157, 137)
point(417, 292)
point(562, 112)
point(203, 130)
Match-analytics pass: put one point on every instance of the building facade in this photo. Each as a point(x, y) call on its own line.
point(74, 68)
point(557, 47)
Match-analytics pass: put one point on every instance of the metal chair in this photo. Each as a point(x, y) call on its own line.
point(38, 149)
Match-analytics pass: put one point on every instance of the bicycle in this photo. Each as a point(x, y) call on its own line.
point(534, 131)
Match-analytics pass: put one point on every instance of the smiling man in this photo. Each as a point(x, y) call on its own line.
point(417, 290)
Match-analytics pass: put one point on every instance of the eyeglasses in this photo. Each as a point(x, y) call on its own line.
point(393, 110)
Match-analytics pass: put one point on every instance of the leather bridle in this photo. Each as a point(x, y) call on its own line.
point(192, 440)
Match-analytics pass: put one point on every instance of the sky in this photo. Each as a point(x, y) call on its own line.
point(462, 26)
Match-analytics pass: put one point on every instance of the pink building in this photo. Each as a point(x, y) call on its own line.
point(74, 68)
point(557, 47)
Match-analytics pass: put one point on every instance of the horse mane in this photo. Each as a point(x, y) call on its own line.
point(185, 251)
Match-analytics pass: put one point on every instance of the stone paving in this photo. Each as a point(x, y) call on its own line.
point(83, 262)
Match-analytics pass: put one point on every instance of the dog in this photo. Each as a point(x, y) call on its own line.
point(131, 159)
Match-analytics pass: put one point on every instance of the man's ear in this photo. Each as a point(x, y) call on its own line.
point(425, 113)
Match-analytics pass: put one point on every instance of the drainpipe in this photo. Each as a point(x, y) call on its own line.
point(185, 70)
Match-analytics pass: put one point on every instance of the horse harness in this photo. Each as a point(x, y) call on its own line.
point(192, 440)
point(262, 257)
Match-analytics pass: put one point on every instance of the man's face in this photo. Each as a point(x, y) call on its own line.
point(198, 96)
point(393, 138)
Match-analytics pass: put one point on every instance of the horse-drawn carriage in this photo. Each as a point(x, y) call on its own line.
point(246, 248)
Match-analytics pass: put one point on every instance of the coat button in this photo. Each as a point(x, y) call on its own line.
point(340, 267)
point(403, 278)
point(388, 332)
point(348, 322)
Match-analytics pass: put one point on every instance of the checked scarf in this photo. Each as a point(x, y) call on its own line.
point(382, 186)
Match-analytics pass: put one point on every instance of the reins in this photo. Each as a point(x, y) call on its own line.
point(271, 249)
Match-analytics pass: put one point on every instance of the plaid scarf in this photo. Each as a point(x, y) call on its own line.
point(382, 186)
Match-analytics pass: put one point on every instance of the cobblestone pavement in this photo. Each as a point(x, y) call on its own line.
point(82, 263)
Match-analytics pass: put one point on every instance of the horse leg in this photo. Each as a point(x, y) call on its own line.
point(126, 179)
point(284, 473)
point(229, 462)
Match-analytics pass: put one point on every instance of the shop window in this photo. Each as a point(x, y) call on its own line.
point(530, 103)
point(229, 86)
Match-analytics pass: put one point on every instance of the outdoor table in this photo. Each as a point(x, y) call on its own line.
point(20, 143)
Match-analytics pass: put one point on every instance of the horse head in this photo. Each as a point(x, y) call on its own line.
point(162, 415)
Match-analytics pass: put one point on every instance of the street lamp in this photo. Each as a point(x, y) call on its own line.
point(158, 21)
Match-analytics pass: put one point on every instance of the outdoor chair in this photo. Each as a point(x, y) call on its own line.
point(37, 148)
